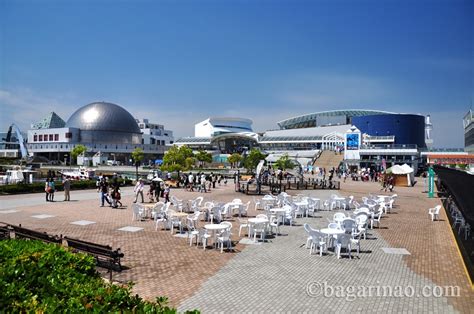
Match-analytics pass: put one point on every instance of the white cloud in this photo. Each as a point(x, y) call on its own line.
point(24, 106)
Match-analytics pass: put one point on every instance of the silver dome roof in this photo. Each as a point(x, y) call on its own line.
point(103, 116)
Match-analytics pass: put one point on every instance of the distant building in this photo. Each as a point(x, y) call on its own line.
point(377, 137)
point(468, 124)
point(101, 127)
point(215, 126)
point(11, 143)
point(222, 135)
point(154, 134)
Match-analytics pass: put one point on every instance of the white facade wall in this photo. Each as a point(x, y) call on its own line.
point(216, 126)
point(59, 135)
point(154, 134)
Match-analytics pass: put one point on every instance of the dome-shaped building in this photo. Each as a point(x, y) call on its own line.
point(108, 131)
point(103, 122)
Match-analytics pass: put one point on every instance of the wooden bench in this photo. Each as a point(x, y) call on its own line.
point(105, 256)
point(4, 231)
point(23, 233)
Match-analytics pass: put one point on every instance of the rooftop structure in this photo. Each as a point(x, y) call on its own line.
point(322, 118)
point(52, 120)
point(214, 126)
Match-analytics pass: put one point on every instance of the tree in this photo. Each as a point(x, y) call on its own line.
point(203, 157)
point(175, 158)
point(78, 150)
point(137, 156)
point(284, 162)
point(234, 159)
point(252, 159)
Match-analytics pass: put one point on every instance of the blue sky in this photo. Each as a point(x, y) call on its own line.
point(178, 62)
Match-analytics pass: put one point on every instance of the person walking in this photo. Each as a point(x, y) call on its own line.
point(191, 182)
point(67, 189)
point(166, 193)
point(158, 190)
point(51, 189)
point(138, 190)
point(104, 191)
point(203, 183)
point(46, 189)
point(214, 180)
point(151, 191)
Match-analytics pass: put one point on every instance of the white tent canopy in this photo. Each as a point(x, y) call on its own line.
point(403, 170)
point(397, 169)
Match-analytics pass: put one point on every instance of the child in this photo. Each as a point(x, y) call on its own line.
point(166, 193)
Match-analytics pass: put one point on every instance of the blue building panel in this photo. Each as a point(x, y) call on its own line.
point(407, 128)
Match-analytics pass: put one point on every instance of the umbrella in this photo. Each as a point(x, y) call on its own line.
point(156, 179)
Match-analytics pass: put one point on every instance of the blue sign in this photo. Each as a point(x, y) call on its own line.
point(352, 141)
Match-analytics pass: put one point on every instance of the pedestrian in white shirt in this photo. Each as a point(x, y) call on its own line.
point(139, 189)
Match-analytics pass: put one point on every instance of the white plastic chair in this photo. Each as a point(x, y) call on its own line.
point(361, 221)
point(289, 214)
point(434, 212)
point(157, 209)
point(243, 223)
point(243, 210)
point(224, 238)
point(317, 241)
point(160, 218)
point(274, 224)
point(308, 230)
point(174, 221)
point(138, 212)
point(349, 225)
point(216, 214)
point(192, 231)
point(203, 236)
point(259, 228)
point(257, 203)
point(376, 219)
point(343, 241)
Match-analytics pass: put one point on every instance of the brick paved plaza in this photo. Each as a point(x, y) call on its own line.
point(276, 276)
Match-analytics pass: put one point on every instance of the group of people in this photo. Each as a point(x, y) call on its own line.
point(202, 182)
point(50, 188)
point(157, 189)
point(109, 191)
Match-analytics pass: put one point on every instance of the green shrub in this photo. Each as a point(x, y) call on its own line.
point(39, 277)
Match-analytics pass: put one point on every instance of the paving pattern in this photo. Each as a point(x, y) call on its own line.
point(281, 276)
point(274, 276)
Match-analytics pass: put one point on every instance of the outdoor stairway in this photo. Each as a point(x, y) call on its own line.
point(328, 159)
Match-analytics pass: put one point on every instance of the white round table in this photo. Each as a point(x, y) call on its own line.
point(330, 231)
point(257, 220)
point(215, 227)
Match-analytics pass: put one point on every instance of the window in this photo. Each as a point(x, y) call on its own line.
point(51, 137)
point(40, 138)
point(68, 135)
point(56, 137)
point(35, 138)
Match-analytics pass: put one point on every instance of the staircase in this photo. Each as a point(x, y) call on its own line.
point(328, 159)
